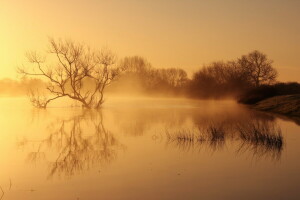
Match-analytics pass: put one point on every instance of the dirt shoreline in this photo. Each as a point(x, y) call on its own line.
point(288, 105)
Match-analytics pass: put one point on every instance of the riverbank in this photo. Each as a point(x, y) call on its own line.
point(288, 105)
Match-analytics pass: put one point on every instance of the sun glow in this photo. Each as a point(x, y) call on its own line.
point(183, 34)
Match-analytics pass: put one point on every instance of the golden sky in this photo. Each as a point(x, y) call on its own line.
point(169, 33)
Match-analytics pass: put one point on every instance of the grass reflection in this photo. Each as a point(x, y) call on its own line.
point(261, 138)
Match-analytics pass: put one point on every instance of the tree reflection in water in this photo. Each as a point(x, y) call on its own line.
point(80, 143)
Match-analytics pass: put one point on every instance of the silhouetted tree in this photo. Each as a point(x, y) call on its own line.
point(258, 67)
point(219, 79)
point(175, 77)
point(76, 67)
point(233, 78)
point(136, 64)
point(153, 80)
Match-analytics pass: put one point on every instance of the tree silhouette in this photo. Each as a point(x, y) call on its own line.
point(78, 73)
point(258, 67)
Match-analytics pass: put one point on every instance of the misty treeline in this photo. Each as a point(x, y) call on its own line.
point(248, 79)
point(141, 77)
point(216, 80)
point(75, 71)
point(11, 87)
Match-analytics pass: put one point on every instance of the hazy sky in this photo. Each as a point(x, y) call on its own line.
point(169, 33)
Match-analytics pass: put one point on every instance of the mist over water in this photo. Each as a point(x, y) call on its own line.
point(130, 100)
point(134, 148)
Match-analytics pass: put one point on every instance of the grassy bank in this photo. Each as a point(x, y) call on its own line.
point(281, 98)
point(286, 105)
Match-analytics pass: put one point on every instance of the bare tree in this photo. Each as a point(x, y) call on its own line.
point(37, 99)
point(136, 64)
point(175, 77)
point(77, 73)
point(258, 67)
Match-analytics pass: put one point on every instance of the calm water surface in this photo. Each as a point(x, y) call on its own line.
point(147, 149)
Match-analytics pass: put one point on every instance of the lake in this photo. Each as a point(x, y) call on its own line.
point(147, 149)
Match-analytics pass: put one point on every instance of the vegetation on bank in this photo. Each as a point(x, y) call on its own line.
point(10, 87)
point(216, 80)
point(262, 92)
point(285, 105)
point(281, 98)
point(75, 71)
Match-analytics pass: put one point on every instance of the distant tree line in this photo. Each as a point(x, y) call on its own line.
point(233, 78)
point(10, 87)
point(139, 73)
point(216, 80)
point(83, 75)
point(262, 92)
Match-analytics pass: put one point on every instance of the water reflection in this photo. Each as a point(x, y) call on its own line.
point(261, 137)
point(79, 143)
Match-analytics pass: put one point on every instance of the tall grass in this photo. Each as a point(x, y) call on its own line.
point(213, 135)
point(259, 137)
point(262, 138)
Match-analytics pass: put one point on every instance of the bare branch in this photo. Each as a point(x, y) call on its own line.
point(76, 66)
